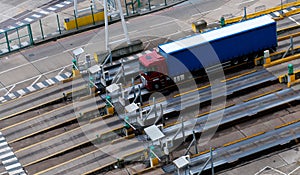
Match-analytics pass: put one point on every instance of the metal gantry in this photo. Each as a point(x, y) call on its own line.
point(111, 10)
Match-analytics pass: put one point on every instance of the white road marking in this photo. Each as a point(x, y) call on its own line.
point(10, 27)
point(207, 11)
point(164, 23)
point(19, 23)
point(276, 13)
point(67, 2)
point(36, 80)
point(21, 92)
point(51, 8)
point(244, 2)
point(28, 19)
point(31, 89)
point(10, 90)
point(60, 72)
point(293, 8)
point(59, 5)
point(44, 12)
point(292, 19)
point(36, 16)
point(41, 85)
point(285, 10)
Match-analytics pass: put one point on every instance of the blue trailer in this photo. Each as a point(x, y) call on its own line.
point(228, 45)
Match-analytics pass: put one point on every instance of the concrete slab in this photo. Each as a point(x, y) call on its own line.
point(291, 156)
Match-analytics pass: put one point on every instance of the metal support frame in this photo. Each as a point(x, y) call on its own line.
point(210, 159)
point(108, 12)
point(76, 11)
point(291, 47)
point(193, 142)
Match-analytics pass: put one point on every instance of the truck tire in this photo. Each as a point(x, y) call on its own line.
point(156, 86)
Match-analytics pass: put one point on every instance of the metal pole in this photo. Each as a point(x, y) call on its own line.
point(93, 15)
point(195, 143)
point(281, 7)
point(75, 20)
point(149, 5)
point(30, 34)
point(19, 37)
point(7, 41)
point(75, 8)
point(212, 162)
point(132, 5)
point(165, 2)
point(126, 8)
point(58, 25)
point(106, 25)
point(123, 21)
point(42, 32)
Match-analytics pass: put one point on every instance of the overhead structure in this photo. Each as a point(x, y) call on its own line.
point(76, 11)
point(110, 10)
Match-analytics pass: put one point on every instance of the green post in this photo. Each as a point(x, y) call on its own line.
point(290, 69)
point(7, 41)
point(19, 37)
point(58, 24)
point(165, 2)
point(222, 21)
point(139, 3)
point(93, 15)
point(151, 148)
point(126, 125)
point(30, 34)
point(91, 82)
point(108, 101)
point(42, 32)
point(132, 5)
point(76, 23)
point(74, 64)
point(126, 8)
point(149, 5)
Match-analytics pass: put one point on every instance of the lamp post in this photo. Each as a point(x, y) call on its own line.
point(281, 6)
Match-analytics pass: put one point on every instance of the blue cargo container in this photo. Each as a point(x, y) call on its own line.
point(219, 46)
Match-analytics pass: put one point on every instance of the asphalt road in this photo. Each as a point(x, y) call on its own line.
point(25, 67)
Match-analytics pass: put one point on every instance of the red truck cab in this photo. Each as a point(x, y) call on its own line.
point(154, 71)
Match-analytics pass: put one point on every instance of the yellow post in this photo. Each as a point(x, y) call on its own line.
point(76, 73)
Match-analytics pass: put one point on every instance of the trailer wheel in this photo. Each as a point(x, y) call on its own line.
point(235, 62)
point(156, 86)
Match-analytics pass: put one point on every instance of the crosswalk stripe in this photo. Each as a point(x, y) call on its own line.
point(36, 16)
point(41, 85)
point(44, 12)
point(59, 5)
point(30, 88)
point(51, 8)
point(28, 19)
point(59, 78)
point(10, 160)
point(276, 13)
point(18, 172)
point(2, 156)
point(19, 23)
point(67, 2)
point(13, 166)
point(21, 92)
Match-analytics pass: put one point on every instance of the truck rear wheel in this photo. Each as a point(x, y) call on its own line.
point(156, 86)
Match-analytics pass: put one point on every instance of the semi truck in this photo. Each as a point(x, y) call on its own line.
point(230, 45)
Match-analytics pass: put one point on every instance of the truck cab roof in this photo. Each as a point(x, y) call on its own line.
point(150, 58)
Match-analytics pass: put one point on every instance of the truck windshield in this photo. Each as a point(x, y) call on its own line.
point(147, 69)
